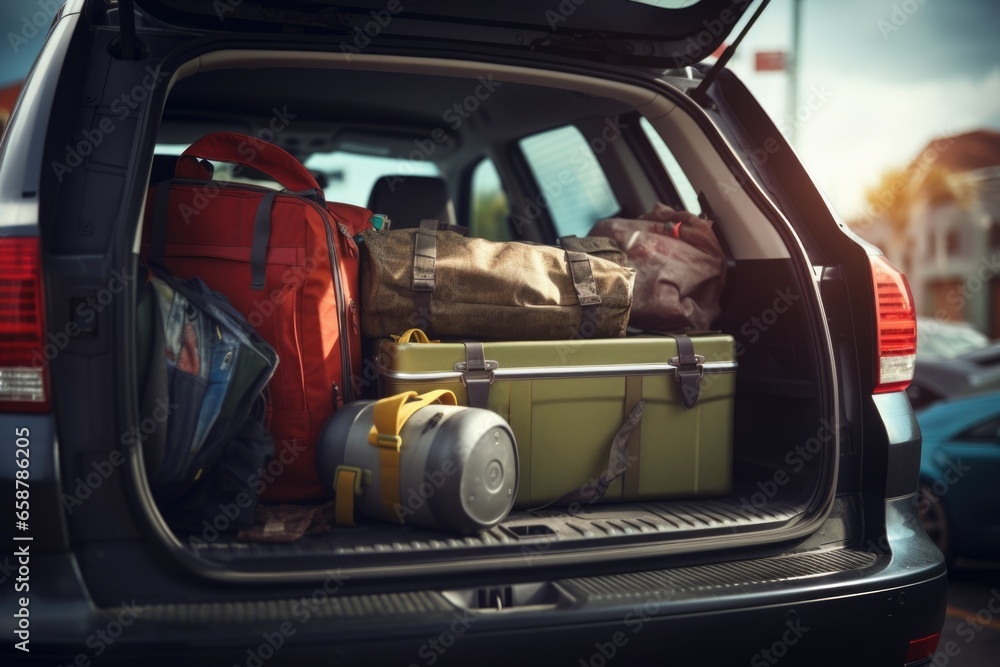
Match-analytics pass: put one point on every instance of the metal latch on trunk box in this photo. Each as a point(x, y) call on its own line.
point(477, 374)
point(687, 362)
point(689, 369)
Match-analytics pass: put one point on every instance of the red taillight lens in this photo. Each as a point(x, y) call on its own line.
point(923, 648)
point(23, 376)
point(896, 326)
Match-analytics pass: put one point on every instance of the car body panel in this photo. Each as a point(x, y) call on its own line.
point(345, 626)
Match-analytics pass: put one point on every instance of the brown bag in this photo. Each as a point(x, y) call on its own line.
point(437, 280)
point(680, 268)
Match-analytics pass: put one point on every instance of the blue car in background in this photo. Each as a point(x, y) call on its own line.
point(960, 475)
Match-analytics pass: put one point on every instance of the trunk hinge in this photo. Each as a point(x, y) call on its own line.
point(700, 94)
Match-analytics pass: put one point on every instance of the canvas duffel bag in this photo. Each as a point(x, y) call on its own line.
point(680, 268)
point(437, 280)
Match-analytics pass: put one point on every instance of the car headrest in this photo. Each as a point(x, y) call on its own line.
point(409, 199)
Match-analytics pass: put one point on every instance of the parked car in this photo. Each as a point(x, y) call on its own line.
point(959, 468)
point(537, 123)
point(941, 339)
point(952, 359)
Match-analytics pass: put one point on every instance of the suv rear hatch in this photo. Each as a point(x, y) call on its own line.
point(660, 33)
point(787, 438)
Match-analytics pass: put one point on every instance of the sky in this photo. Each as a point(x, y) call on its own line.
point(884, 77)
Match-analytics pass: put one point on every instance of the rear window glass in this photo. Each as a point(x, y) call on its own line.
point(576, 190)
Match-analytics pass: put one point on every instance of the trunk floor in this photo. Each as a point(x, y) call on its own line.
point(521, 532)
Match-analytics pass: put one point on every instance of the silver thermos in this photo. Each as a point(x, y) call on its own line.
point(453, 468)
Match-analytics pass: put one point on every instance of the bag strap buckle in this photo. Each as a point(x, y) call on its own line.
point(361, 476)
point(389, 441)
point(347, 482)
point(582, 275)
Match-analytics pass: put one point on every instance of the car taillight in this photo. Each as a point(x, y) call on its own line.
point(23, 375)
point(896, 326)
point(923, 648)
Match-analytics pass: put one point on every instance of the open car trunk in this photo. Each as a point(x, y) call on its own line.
point(785, 447)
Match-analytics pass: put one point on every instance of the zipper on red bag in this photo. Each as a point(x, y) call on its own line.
point(352, 246)
point(346, 391)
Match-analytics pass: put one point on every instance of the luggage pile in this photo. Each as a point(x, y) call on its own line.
point(505, 376)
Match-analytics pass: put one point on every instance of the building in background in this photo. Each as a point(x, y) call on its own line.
point(939, 221)
point(8, 96)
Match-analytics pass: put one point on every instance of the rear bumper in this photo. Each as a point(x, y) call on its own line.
point(864, 609)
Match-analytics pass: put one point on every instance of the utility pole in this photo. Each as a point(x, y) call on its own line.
point(792, 70)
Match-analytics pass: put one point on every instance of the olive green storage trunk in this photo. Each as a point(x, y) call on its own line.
point(566, 400)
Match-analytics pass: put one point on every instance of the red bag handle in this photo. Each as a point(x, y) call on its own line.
point(256, 153)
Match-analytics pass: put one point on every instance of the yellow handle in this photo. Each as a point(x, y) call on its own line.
point(413, 336)
point(388, 417)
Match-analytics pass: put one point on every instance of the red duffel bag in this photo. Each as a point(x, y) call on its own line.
point(679, 264)
point(286, 260)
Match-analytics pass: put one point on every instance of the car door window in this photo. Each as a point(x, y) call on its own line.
point(575, 188)
point(490, 208)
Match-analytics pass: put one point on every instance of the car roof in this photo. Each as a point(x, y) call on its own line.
point(959, 413)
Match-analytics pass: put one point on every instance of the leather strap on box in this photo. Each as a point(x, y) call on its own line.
point(586, 290)
point(618, 462)
point(477, 377)
point(689, 369)
point(389, 416)
point(630, 481)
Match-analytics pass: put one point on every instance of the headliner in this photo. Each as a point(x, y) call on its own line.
point(335, 105)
